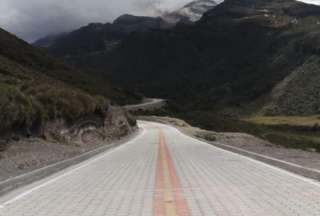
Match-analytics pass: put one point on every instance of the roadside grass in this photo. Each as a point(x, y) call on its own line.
point(295, 121)
point(302, 132)
point(289, 136)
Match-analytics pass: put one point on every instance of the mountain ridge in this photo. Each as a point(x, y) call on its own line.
point(234, 56)
point(99, 37)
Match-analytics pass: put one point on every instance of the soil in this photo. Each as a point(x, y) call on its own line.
point(27, 154)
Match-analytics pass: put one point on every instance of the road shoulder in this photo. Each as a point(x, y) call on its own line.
point(300, 162)
point(28, 178)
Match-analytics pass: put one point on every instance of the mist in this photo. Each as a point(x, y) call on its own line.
point(32, 19)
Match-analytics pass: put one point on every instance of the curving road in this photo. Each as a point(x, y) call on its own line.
point(163, 172)
point(147, 104)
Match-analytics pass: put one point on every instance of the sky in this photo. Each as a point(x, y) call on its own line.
point(32, 19)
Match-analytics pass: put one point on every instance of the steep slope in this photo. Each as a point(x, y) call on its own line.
point(234, 56)
point(298, 93)
point(33, 94)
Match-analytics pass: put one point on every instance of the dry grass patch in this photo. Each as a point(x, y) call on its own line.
point(299, 121)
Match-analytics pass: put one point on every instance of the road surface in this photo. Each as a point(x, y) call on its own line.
point(163, 172)
point(147, 104)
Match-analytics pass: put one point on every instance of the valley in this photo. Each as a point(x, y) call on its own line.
point(245, 66)
point(210, 108)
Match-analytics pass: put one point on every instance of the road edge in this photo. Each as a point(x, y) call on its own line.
point(14, 183)
point(296, 169)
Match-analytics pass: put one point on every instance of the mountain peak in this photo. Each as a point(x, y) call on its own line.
point(191, 12)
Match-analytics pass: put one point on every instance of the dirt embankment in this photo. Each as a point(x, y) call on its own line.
point(61, 140)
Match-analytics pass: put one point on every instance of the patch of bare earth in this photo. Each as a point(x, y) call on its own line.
point(28, 154)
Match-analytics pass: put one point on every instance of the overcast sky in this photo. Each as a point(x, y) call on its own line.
point(31, 19)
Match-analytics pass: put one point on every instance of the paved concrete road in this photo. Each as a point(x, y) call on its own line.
point(163, 172)
point(147, 104)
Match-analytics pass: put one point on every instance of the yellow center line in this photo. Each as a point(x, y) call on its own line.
point(169, 204)
point(168, 199)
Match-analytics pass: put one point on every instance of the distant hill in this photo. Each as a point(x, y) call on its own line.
point(98, 37)
point(253, 55)
point(89, 46)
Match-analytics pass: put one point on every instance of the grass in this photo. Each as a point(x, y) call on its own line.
point(286, 135)
point(295, 121)
point(300, 132)
point(29, 98)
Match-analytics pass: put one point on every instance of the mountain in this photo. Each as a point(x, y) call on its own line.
point(88, 46)
point(129, 23)
point(48, 40)
point(191, 12)
point(37, 90)
point(250, 55)
point(98, 37)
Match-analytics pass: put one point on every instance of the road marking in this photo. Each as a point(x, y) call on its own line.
point(168, 198)
point(84, 165)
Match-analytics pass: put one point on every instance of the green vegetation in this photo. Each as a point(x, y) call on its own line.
point(293, 121)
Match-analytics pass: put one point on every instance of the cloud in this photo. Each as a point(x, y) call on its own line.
point(316, 2)
point(31, 19)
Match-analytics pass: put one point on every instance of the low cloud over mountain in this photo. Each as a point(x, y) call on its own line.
point(33, 19)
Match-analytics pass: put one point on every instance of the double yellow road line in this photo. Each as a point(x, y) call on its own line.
point(168, 196)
